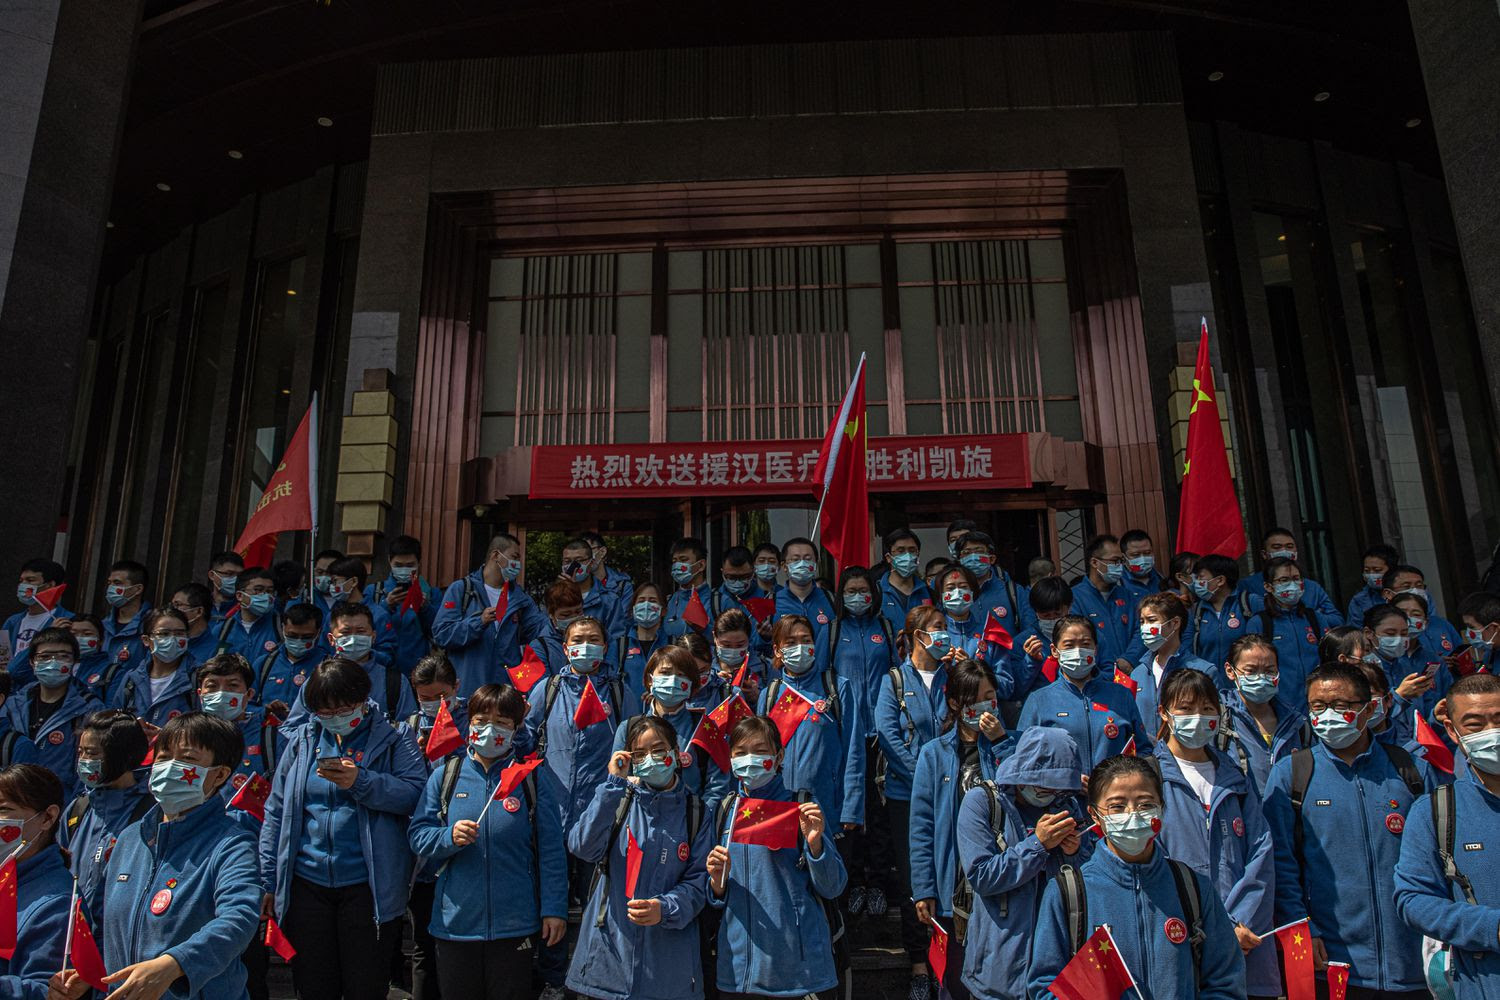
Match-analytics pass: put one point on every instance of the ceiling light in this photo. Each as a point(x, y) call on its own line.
point(291, 291)
point(235, 154)
point(163, 186)
point(1216, 76)
point(1322, 96)
point(109, 225)
point(325, 121)
point(1281, 238)
point(1413, 122)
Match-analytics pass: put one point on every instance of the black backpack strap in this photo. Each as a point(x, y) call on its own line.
point(1198, 627)
point(142, 807)
point(549, 698)
point(265, 673)
point(393, 680)
point(1407, 768)
point(268, 745)
point(8, 746)
point(1075, 906)
point(107, 680)
point(831, 695)
point(1192, 908)
point(1015, 601)
point(1302, 771)
point(451, 768)
point(1311, 617)
point(1245, 606)
point(223, 647)
point(898, 686)
point(601, 867)
point(77, 811)
point(1445, 822)
point(834, 631)
point(470, 595)
point(1228, 735)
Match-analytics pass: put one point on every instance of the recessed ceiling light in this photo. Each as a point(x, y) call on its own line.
point(1322, 96)
point(325, 121)
point(109, 225)
point(1216, 76)
point(235, 154)
point(291, 291)
point(163, 186)
point(1413, 122)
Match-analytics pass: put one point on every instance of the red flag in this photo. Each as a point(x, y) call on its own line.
point(1128, 749)
point(1126, 681)
point(277, 941)
point(415, 598)
point(252, 795)
point(590, 709)
point(1097, 972)
point(1049, 669)
point(444, 737)
point(502, 603)
point(1338, 980)
point(937, 951)
point(633, 857)
point(766, 822)
point(997, 633)
point(288, 503)
point(714, 728)
point(739, 675)
point(515, 773)
point(50, 597)
point(1297, 960)
point(1438, 754)
point(1208, 517)
point(695, 614)
point(1463, 662)
point(524, 675)
point(84, 951)
point(788, 712)
point(761, 608)
point(9, 902)
point(839, 479)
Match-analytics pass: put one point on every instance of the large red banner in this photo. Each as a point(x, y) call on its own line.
point(673, 469)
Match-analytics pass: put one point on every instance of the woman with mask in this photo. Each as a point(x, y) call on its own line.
point(1212, 820)
point(502, 868)
point(972, 745)
point(671, 681)
point(93, 656)
point(182, 897)
point(1099, 714)
point(333, 845)
point(1013, 835)
point(1129, 883)
point(712, 688)
point(1293, 627)
point(642, 638)
point(774, 940)
point(161, 687)
point(1418, 686)
point(955, 589)
point(111, 746)
point(1258, 726)
point(31, 801)
point(736, 656)
point(909, 714)
point(638, 939)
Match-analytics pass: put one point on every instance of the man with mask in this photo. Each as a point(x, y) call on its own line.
point(1051, 600)
point(1446, 886)
point(280, 674)
point(616, 582)
point(50, 710)
point(1292, 626)
point(1108, 601)
point(255, 629)
point(486, 618)
point(125, 593)
point(689, 573)
point(224, 571)
point(737, 582)
point(1140, 561)
point(349, 578)
point(195, 603)
point(957, 529)
point(1337, 813)
point(802, 595)
point(1375, 562)
point(1438, 639)
point(351, 635)
point(37, 576)
point(1480, 615)
point(1221, 613)
point(321, 592)
point(999, 593)
point(598, 602)
point(901, 589)
point(1279, 543)
point(413, 626)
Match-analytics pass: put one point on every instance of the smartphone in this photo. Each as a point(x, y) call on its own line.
point(1432, 668)
point(329, 761)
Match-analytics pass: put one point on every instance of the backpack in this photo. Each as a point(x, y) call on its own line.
point(963, 893)
point(885, 628)
point(266, 667)
point(1076, 909)
point(601, 867)
point(393, 679)
point(1245, 614)
point(1302, 772)
point(1268, 621)
point(1228, 734)
point(1445, 823)
point(231, 620)
point(81, 805)
point(554, 685)
point(898, 687)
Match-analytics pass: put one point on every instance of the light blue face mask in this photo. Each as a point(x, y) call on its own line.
point(1288, 592)
point(297, 648)
point(354, 647)
point(939, 644)
point(731, 658)
point(905, 564)
point(1130, 833)
point(178, 786)
point(1141, 565)
point(1334, 729)
point(169, 648)
point(797, 659)
point(1483, 750)
point(1258, 688)
point(802, 571)
point(1114, 572)
point(342, 723)
point(753, 769)
point(510, 569)
point(403, 574)
point(737, 587)
point(1391, 647)
point(977, 563)
point(1377, 711)
point(656, 772)
point(1194, 731)
point(228, 585)
point(765, 572)
point(224, 704)
point(857, 604)
point(490, 740)
point(682, 573)
point(261, 604)
point(1201, 589)
point(1154, 637)
point(1077, 662)
point(52, 672)
point(646, 613)
point(1038, 797)
point(670, 689)
point(89, 771)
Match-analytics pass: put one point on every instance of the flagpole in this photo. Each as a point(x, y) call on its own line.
point(72, 922)
point(1123, 964)
point(312, 495)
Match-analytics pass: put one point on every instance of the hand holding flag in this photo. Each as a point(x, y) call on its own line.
point(633, 857)
point(524, 675)
point(414, 598)
point(766, 822)
point(1097, 972)
point(1436, 751)
point(252, 795)
point(510, 779)
point(937, 951)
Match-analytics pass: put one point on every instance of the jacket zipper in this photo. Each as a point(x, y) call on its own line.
point(1364, 826)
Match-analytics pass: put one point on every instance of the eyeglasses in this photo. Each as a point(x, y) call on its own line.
point(1319, 707)
point(1122, 809)
point(641, 756)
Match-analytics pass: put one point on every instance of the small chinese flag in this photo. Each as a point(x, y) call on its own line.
point(444, 737)
point(1338, 980)
point(1126, 681)
point(1099, 707)
point(524, 675)
point(633, 856)
point(1208, 519)
point(513, 774)
point(739, 675)
point(1463, 663)
point(84, 950)
point(714, 729)
point(762, 608)
point(252, 796)
point(788, 712)
point(1097, 972)
point(937, 952)
point(590, 709)
point(1049, 669)
point(1128, 749)
point(277, 941)
point(9, 901)
point(50, 597)
point(1297, 960)
point(1437, 752)
point(997, 633)
point(695, 614)
point(502, 603)
point(415, 598)
point(766, 822)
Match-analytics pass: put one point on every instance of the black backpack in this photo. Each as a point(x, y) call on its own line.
point(1076, 910)
point(1243, 597)
point(601, 867)
point(963, 893)
point(554, 684)
point(449, 783)
point(830, 694)
point(1302, 772)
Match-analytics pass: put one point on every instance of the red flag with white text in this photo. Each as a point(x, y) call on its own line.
point(288, 502)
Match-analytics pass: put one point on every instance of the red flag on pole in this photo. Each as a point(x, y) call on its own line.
point(414, 598)
point(252, 795)
point(1126, 681)
point(997, 633)
point(633, 858)
point(1049, 669)
point(1097, 972)
point(1338, 980)
point(1437, 752)
point(714, 728)
point(9, 902)
point(590, 709)
point(1297, 960)
point(1128, 749)
point(843, 524)
point(515, 773)
point(937, 951)
point(277, 941)
point(761, 608)
point(766, 822)
point(84, 950)
point(289, 500)
point(502, 603)
point(524, 675)
point(1463, 663)
point(48, 599)
point(444, 737)
point(1208, 519)
point(788, 712)
point(695, 614)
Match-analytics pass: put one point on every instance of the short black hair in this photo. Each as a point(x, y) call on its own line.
point(155, 616)
point(134, 572)
point(498, 699)
point(1096, 545)
point(1379, 613)
point(1484, 683)
point(1134, 535)
point(195, 595)
point(226, 665)
point(1118, 766)
point(1188, 685)
point(228, 556)
point(1216, 565)
point(978, 538)
point(1339, 641)
point(1389, 580)
point(755, 725)
point(965, 678)
point(333, 554)
point(256, 573)
point(692, 546)
point(737, 556)
point(502, 540)
point(56, 635)
point(594, 539)
point(302, 613)
point(896, 536)
point(961, 524)
point(766, 548)
point(1270, 533)
point(1341, 672)
point(1383, 551)
point(640, 723)
point(434, 668)
point(287, 577)
point(351, 567)
point(1483, 607)
point(1071, 621)
point(798, 540)
point(349, 609)
point(404, 545)
point(1051, 593)
point(220, 737)
point(51, 572)
point(334, 683)
point(36, 788)
point(123, 739)
point(1183, 562)
point(1278, 563)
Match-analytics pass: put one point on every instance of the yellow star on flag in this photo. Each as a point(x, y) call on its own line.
point(1104, 947)
point(1199, 396)
point(1297, 938)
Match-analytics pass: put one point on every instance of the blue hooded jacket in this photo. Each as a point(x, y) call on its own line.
point(56, 741)
point(1210, 633)
point(44, 891)
point(1296, 642)
point(1293, 732)
point(907, 721)
point(132, 692)
point(263, 635)
point(1113, 614)
point(1352, 819)
point(91, 843)
point(1098, 734)
point(672, 624)
point(1145, 679)
point(816, 608)
point(895, 606)
point(862, 657)
point(481, 653)
point(934, 808)
point(1313, 596)
point(619, 960)
point(576, 759)
point(994, 597)
point(1025, 674)
point(207, 866)
point(701, 778)
point(413, 628)
point(826, 755)
point(278, 677)
point(632, 652)
point(121, 642)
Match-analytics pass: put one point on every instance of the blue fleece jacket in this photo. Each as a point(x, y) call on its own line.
point(481, 653)
point(1113, 614)
point(132, 692)
point(895, 606)
point(702, 777)
point(56, 740)
point(631, 652)
point(1099, 734)
point(618, 959)
point(1296, 642)
point(44, 891)
point(92, 841)
point(252, 642)
point(934, 807)
point(826, 756)
point(278, 677)
point(1293, 732)
point(1144, 676)
point(412, 628)
point(206, 866)
point(1211, 632)
point(1352, 821)
point(576, 759)
point(862, 656)
point(1313, 596)
point(122, 642)
point(905, 721)
point(817, 608)
point(994, 597)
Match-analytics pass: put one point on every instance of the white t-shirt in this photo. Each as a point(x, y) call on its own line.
point(158, 685)
point(927, 677)
point(1200, 776)
point(30, 626)
point(493, 593)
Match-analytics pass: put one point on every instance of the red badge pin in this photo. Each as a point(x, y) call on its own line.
point(1395, 822)
point(634, 651)
point(1447, 644)
point(1176, 930)
point(123, 654)
point(173, 714)
point(1234, 622)
point(238, 779)
point(1238, 826)
point(94, 679)
point(1111, 731)
point(1001, 611)
point(55, 737)
point(684, 759)
point(822, 618)
point(269, 645)
point(299, 679)
point(161, 901)
point(877, 638)
point(1312, 638)
point(683, 853)
point(253, 750)
point(821, 705)
point(511, 804)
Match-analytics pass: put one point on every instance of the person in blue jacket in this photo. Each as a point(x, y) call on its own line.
point(736, 583)
point(713, 688)
point(320, 594)
point(125, 593)
point(88, 630)
point(597, 601)
point(734, 649)
point(803, 595)
point(1294, 626)
point(37, 575)
point(641, 941)
point(333, 853)
point(909, 714)
point(689, 573)
point(280, 674)
point(1457, 905)
point(1036, 798)
point(671, 679)
point(1108, 601)
point(1440, 637)
point(642, 637)
point(1337, 871)
point(352, 635)
point(350, 583)
point(223, 578)
point(1416, 685)
point(901, 586)
point(971, 747)
point(1278, 543)
point(1163, 618)
point(1129, 885)
point(774, 940)
point(1424, 652)
point(226, 690)
point(50, 710)
point(1221, 612)
point(1140, 561)
point(1479, 613)
point(501, 867)
point(1257, 730)
point(1051, 600)
point(1099, 714)
point(162, 687)
point(15, 748)
point(481, 644)
point(956, 588)
point(111, 746)
point(182, 898)
point(1212, 820)
point(1375, 562)
point(999, 594)
point(194, 602)
point(413, 626)
point(31, 802)
point(613, 579)
point(254, 628)
point(767, 562)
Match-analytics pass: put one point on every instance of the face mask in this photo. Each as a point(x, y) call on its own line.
point(1130, 833)
point(1153, 637)
point(89, 771)
point(1046, 626)
point(1374, 580)
point(1077, 662)
point(1282, 554)
point(1377, 712)
point(753, 769)
point(939, 644)
point(1475, 638)
point(765, 571)
point(682, 573)
point(224, 704)
point(1419, 591)
point(353, 647)
point(403, 574)
point(656, 772)
point(88, 644)
point(732, 657)
point(1288, 592)
point(1201, 589)
point(178, 786)
point(646, 613)
point(584, 657)
point(1334, 729)
point(737, 587)
point(905, 564)
point(670, 690)
point(52, 673)
point(1258, 688)
point(510, 569)
point(342, 723)
point(958, 600)
point(1483, 750)
point(801, 571)
point(973, 713)
point(1038, 797)
point(322, 583)
point(797, 659)
point(977, 563)
point(228, 584)
point(561, 624)
point(1391, 647)
point(18, 825)
point(26, 592)
point(297, 648)
point(1141, 565)
point(1113, 572)
point(576, 572)
point(115, 595)
point(429, 709)
point(261, 604)
point(169, 648)
point(1194, 731)
point(490, 740)
point(1416, 626)
point(857, 604)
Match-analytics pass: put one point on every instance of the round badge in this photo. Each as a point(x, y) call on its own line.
point(55, 737)
point(1395, 823)
point(173, 714)
point(1239, 826)
point(269, 645)
point(822, 618)
point(1447, 644)
point(683, 853)
point(298, 679)
point(94, 679)
point(1312, 639)
point(684, 759)
point(1234, 622)
point(1001, 611)
point(1176, 931)
point(123, 654)
point(161, 901)
point(359, 756)
point(1111, 731)
point(511, 804)
point(877, 638)
point(821, 705)
point(238, 780)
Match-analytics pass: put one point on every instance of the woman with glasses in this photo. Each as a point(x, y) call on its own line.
point(671, 681)
point(161, 688)
point(956, 589)
point(111, 746)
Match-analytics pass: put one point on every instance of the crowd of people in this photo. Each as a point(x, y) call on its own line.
point(670, 790)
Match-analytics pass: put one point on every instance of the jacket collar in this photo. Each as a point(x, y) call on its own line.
point(1109, 864)
point(1227, 777)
